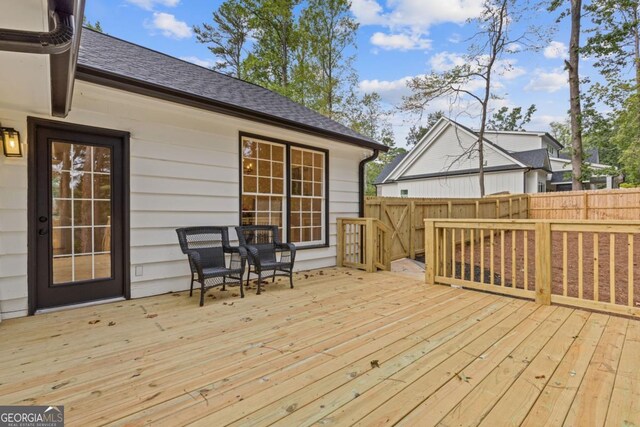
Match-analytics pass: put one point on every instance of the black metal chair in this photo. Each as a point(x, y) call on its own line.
point(263, 246)
point(206, 248)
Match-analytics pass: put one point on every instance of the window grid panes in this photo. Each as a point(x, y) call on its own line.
point(307, 196)
point(81, 212)
point(263, 183)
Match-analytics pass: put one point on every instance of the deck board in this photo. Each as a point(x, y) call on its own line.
point(301, 357)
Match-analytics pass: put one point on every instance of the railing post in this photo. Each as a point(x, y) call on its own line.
point(387, 248)
point(430, 251)
point(340, 243)
point(369, 244)
point(543, 262)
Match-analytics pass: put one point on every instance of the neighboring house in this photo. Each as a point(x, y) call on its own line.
point(601, 177)
point(443, 164)
point(143, 143)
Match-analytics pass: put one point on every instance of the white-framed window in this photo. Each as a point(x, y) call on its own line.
point(285, 184)
point(542, 187)
point(404, 193)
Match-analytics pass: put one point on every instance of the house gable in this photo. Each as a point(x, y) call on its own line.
point(443, 150)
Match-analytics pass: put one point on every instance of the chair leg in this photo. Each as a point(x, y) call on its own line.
point(291, 278)
point(224, 283)
point(241, 288)
point(248, 275)
point(259, 282)
point(191, 289)
point(202, 293)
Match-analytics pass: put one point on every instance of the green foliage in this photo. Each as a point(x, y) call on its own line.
point(226, 37)
point(626, 137)
point(561, 131)
point(295, 49)
point(330, 30)
point(511, 119)
point(95, 27)
point(416, 133)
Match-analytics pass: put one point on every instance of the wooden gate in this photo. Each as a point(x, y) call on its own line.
point(404, 217)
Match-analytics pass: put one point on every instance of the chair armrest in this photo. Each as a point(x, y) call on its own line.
point(238, 256)
point(287, 247)
point(253, 254)
point(194, 256)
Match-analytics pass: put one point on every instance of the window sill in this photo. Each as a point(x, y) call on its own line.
point(302, 248)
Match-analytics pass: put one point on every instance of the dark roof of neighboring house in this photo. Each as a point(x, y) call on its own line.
point(388, 168)
point(536, 159)
point(113, 62)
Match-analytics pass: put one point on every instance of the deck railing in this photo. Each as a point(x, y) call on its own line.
point(587, 264)
point(363, 243)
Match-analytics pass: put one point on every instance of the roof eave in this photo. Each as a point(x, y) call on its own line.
point(128, 84)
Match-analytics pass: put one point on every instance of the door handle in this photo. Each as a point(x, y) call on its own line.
point(43, 231)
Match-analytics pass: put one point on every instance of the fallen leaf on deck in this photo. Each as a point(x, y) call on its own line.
point(93, 322)
point(292, 408)
point(463, 377)
point(151, 316)
point(375, 364)
point(112, 323)
point(540, 377)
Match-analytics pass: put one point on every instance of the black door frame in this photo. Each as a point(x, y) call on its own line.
point(34, 124)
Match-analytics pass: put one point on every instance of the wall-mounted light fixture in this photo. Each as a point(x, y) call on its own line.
point(11, 142)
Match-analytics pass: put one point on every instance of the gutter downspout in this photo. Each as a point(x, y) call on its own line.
point(362, 180)
point(56, 41)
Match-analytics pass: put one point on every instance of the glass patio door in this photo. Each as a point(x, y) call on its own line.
point(79, 217)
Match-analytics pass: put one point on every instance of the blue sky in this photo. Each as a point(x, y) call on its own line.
point(397, 39)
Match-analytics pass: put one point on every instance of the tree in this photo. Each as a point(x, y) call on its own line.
point(366, 115)
point(226, 37)
point(614, 43)
point(331, 30)
point(277, 34)
point(417, 132)
point(491, 42)
point(627, 138)
point(513, 120)
point(95, 27)
point(572, 66)
point(561, 131)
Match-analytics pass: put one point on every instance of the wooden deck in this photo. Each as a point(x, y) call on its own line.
point(343, 348)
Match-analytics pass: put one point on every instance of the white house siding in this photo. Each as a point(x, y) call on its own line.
point(184, 171)
point(515, 141)
point(442, 154)
point(533, 178)
point(456, 186)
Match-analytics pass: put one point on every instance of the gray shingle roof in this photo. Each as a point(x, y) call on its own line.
point(117, 57)
point(537, 159)
point(388, 168)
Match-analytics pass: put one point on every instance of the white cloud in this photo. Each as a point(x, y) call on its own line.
point(416, 14)
point(413, 17)
point(207, 63)
point(547, 81)
point(445, 61)
point(150, 4)
point(555, 50)
point(170, 26)
point(401, 42)
point(390, 91)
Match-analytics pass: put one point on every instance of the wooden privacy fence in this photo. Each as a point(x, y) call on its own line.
point(581, 263)
point(405, 216)
point(363, 243)
point(620, 204)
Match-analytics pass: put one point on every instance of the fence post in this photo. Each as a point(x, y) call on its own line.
point(430, 251)
point(497, 208)
point(585, 206)
point(412, 230)
point(340, 243)
point(543, 262)
point(370, 242)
